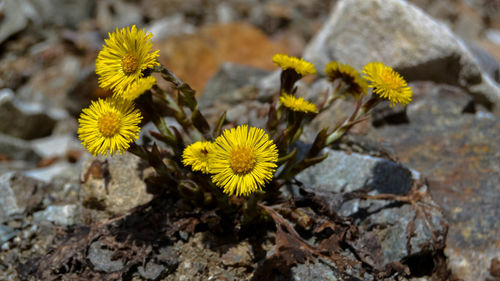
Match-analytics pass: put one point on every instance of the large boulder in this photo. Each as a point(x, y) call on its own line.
point(400, 35)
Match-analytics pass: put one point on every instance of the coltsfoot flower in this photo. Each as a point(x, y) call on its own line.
point(297, 104)
point(109, 126)
point(138, 88)
point(387, 83)
point(196, 156)
point(357, 86)
point(243, 159)
point(300, 66)
point(124, 57)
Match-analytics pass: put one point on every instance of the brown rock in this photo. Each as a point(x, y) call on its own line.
point(195, 58)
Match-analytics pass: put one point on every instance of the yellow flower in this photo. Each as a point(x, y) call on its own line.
point(122, 60)
point(243, 160)
point(139, 87)
point(196, 156)
point(357, 86)
point(387, 83)
point(297, 104)
point(109, 126)
point(300, 66)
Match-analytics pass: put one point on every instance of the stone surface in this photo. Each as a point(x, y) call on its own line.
point(343, 173)
point(314, 271)
point(13, 148)
point(62, 12)
point(419, 47)
point(195, 58)
point(458, 150)
point(101, 258)
point(113, 186)
point(23, 120)
point(14, 18)
point(225, 86)
point(66, 215)
point(151, 271)
point(56, 145)
point(240, 255)
point(19, 194)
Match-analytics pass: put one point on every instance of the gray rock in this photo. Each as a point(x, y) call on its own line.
point(101, 258)
point(19, 194)
point(62, 215)
point(56, 145)
point(342, 172)
point(151, 271)
point(170, 26)
point(61, 169)
point(315, 271)
point(225, 85)
point(361, 31)
point(458, 149)
point(62, 12)
point(240, 255)
point(114, 186)
point(17, 149)
point(6, 233)
point(114, 14)
point(13, 18)
point(23, 120)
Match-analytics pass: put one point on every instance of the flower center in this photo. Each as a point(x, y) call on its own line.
point(109, 124)
point(390, 80)
point(242, 160)
point(129, 63)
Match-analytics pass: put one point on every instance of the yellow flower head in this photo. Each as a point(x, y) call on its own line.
point(357, 86)
point(139, 87)
point(122, 59)
point(109, 126)
point(243, 160)
point(300, 66)
point(196, 156)
point(387, 83)
point(297, 104)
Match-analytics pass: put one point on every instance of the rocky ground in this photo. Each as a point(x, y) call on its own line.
point(430, 170)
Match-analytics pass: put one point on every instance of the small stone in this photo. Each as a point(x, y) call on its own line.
point(62, 215)
point(17, 149)
point(6, 233)
point(152, 271)
point(169, 257)
point(101, 258)
point(240, 255)
point(23, 120)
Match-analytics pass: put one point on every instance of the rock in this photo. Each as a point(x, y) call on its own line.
point(6, 233)
point(51, 86)
point(24, 120)
point(195, 58)
point(420, 48)
point(19, 194)
point(230, 78)
point(113, 185)
point(66, 215)
point(170, 26)
point(314, 271)
point(168, 256)
point(14, 18)
point(458, 149)
point(101, 258)
point(113, 14)
point(62, 12)
point(240, 255)
point(56, 145)
point(16, 149)
point(341, 173)
point(151, 271)
point(61, 169)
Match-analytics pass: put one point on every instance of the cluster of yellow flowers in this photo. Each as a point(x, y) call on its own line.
point(240, 160)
